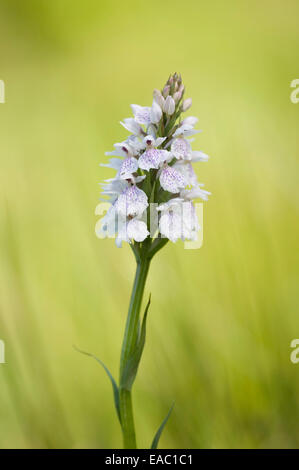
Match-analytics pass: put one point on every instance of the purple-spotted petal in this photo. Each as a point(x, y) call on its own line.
point(132, 202)
point(142, 114)
point(181, 149)
point(172, 180)
point(129, 166)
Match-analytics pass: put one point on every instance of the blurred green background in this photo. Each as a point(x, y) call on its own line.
point(222, 317)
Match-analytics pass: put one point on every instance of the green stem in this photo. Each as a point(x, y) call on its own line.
point(129, 343)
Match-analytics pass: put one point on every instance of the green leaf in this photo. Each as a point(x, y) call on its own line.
point(159, 432)
point(131, 366)
point(114, 384)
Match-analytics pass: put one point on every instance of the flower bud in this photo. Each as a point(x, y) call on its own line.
point(169, 105)
point(182, 88)
point(165, 91)
point(177, 96)
point(187, 104)
point(158, 97)
point(155, 113)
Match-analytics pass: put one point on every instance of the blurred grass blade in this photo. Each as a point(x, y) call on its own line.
point(114, 384)
point(159, 432)
point(131, 367)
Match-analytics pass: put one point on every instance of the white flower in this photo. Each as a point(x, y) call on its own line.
point(171, 180)
point(152, 157)
point(132, 202)
point(169, 106)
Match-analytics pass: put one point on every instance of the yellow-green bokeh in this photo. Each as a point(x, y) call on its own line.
point(222, 317)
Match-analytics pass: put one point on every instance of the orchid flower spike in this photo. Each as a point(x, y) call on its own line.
point(154, 165)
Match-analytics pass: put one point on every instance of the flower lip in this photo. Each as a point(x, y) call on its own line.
point(141, 114)
point(171, 180)
point(133, 201)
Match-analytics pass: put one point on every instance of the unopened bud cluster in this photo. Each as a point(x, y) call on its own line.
point(154, 165)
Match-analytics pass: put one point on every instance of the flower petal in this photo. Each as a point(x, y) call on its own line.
point(114, 163)
point(190, 223)
point(172, 180)
point(129, 166)
point(132, 202)
point(141, 114)
point(195, 193)
point(185, 130)
point(170, 225)
point(181, 149)
point(198, 156)
point(122, 235)
point(137, 230)
point(132, 126)
point(155, 113)
point(190, 120)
